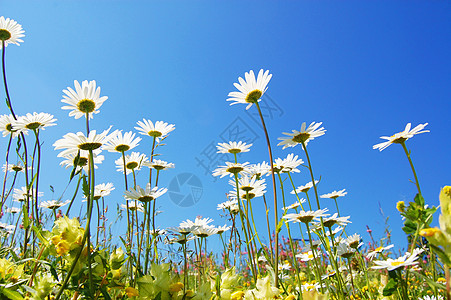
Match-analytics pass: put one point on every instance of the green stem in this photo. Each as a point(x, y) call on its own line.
point(403, 144)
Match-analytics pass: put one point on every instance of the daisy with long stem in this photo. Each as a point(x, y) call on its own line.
point(251, 90)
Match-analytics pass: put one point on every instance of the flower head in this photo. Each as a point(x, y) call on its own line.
point(121, 142)
point(133, 206)
point(335, 194)
point(80, 159)
point(249, 187)
point(53, 204)
point(409, 259)
point(84, 100)
point(306, 216)
point(10, 32)
point(73, 142)
point(158, 130)
point(304, 188)
point(133, 162)
point(401, 137)
point(288, 164)
point(233, 147)
point(145, 195)
point(159, 165)
point(373, 254)
point(303, 136)
point(231, 169)
point(34, 121)
point(6, 126)
point(103, 190)
point(250, 90)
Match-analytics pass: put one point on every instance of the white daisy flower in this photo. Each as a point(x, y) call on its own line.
point(73, 142)
point(204, 231)
point(378, 250)
point(13, 210)
point(306, 216)
point(8, 229)
point(7, 126)
point(401, 137)
point(133, 205)
point(11, 32)
point(304, 188)
point(20, 194)
point(222, 229)
point(34, 121)
point(119, 142)
point(306, 256)
point(335, 220)
point(158, 130)
point(199, 222)
point(409, 259)
point(231, 205)
point(103, 190)
point(295, 204)
point(181, 239)
point(335, 194)
point(81, 161)
point(250, 187)
point(288, 164)
point(250, 90)
point(354, 241)
point(305, 135)
point(345, 251)
point(84, 100)
point(133, 161)
point(13, 168)
point(231, 169)
point(53, 204)
point(159, 165)
point(259, 170)
point(233, 147)
point(145, 195)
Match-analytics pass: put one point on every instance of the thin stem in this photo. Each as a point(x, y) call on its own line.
point(411, 166)
point(276, 218)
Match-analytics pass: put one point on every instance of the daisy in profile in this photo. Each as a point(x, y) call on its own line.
point(304, 188)
point(222, 229)
point(103, 190)
point(353, 241)
point(306, 256)
point(306, 216)
point(80, 159)
point(72, 142)
point(378, 250)
point(20, 195)
point(158, 130)
point(10, 32)
point(6, 126)
point(13, 210)
point(302, 136)
point(84, 100)
point(233, 147)
point(345, 251)
point(204, 231)
point(295, 204)
point(249, 187)
point(13, 168)
point(144, 195)
point(231, 169)
point(259, 170)
point(53, 204)
point(335, 194)
point(250, 90)
point(133, 162)
point(409, 259)
point(121, 142)
point(159, 165)
point(230, 205)
point(401, 137)
point(34, 121)
point(133, 206)
point(288, 164)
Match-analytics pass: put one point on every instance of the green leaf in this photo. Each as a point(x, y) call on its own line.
point(13, 295)
point(390, 288)
point(86, 190)
point(419, 200)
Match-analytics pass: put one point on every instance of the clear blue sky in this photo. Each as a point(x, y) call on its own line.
point(363, 68)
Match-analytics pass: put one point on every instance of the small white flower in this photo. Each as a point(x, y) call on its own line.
point(401, 137)
point(409, 259)
point(250, 90)
point(85, 99)
point(158, 130)
point(11, 32)
point(305, 135)
point(233, 147)
point(335, 194)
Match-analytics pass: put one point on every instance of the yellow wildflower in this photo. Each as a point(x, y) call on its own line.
point(238, 295)
point(400, 206)
point(175, 287)
point(131, 292)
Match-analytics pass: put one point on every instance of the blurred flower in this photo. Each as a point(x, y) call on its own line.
point(10, 32)
point(259, 170)
point(84, 100)
point(72, 158)
point(13, 168)
point(250, 90)
point(345, 251)
point(373, 254)
point(305, 256)
point(249, 187)
point(305, 135)
point(133, 205)
point(401, 137)
point(159, 165)
point(295, 204)
point(53, 204)
point(20, 194)
point(409, 259)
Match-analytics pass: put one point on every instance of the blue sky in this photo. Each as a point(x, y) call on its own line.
point(363, 68)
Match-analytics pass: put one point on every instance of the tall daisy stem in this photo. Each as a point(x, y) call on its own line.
point(276, 217)
point(411, 166)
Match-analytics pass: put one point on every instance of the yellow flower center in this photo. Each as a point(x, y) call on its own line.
point(154, 133)
point(131, 165)
point(81, 161)
point(33, 125)
point(146, 198)
point(122, 148)
point(378, 249)
point(5, 35)
point(235, 170)
point(428, 232)
point(86, 105)
point(301, 137)
point(253, 96)
point(396, 263)
point(89, 146)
